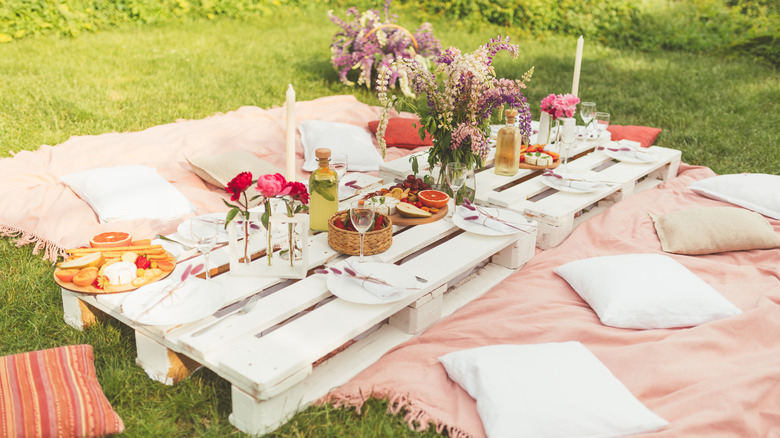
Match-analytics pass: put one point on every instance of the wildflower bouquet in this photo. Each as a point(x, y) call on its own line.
point(461, 96)
point(367, 43)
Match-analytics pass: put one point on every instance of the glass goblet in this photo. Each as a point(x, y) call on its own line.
point(602, 122)
point(361, 214)
point(455, 176)
point(204, 231)
point(587, 112)
point(568, 137)
point(339, 162)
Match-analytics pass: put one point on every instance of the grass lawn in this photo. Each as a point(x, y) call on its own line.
point(720, 113)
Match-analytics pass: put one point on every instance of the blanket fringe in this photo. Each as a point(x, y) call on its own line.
point(51, 251)
point(417, 418)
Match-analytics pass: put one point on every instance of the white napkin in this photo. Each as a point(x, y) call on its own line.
point(384, 291)
point(636, 150)
point(503, 226)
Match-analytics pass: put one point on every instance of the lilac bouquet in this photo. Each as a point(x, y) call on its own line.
point(367, 43)
point(461, 96)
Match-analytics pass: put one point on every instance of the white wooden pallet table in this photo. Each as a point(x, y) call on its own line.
point(558, 212)
point(300, 341)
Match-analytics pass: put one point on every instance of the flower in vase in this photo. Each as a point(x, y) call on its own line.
point(560, 105)
point(459, 99)
point(272, 185)
point(238, 185)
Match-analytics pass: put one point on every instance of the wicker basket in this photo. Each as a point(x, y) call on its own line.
point(348, 242)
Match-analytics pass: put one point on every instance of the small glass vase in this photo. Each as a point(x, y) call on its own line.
point(246, 241)
point(468, 191)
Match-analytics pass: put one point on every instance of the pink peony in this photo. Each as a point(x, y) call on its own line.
point(560, 105)
point(272, 185)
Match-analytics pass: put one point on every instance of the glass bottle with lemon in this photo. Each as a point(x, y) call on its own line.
point(323, 192)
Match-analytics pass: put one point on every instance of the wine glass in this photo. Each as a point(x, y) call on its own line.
point(455, 176)
point(587, 112)
point(568, 137)
point(602, 122)
point(204, 231)
point(339, 162)
point(361, 213)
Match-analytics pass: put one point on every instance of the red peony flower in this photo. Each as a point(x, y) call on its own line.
point(238, 185)
point(298, 192)
point(272, 185)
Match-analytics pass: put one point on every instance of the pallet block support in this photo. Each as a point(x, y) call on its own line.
point(160, 363)
point(421, 314)
point(76, 312)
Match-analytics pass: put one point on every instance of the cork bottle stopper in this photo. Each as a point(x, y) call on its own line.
point(510, 115)
point(322, 153)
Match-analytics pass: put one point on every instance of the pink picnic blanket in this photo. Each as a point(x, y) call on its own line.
point(39, 209)
point(718, 379)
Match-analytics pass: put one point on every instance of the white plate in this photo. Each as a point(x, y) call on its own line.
point(562, 185)
point(196, 299)
point(222, 235)
point(629, 156)
point(349, 289)
point(477, 228)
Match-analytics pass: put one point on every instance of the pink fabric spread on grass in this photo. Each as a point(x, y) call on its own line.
point(39, 209)
point(718, 379)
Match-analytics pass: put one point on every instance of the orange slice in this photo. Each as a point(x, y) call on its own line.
point(433, 198)
point(110, 239)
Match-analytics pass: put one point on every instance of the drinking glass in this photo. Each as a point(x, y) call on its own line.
point(602, 122)
point(204, 232)
point(361, 214)
point(587, 112)
point(339, 163)
point(568, 137)
point(455, 176)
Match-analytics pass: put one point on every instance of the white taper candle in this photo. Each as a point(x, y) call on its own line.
point(290, 133)
point(575, 83)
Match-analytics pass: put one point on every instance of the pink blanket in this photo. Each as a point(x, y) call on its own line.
point(39, 209)
point(718, 379)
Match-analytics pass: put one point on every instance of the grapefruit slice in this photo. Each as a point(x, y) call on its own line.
point(110, 239)
point(433, 198)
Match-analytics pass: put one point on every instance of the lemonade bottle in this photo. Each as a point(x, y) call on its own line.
point(323, 192)
point(508, 146)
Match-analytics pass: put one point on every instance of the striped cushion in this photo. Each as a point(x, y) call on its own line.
point(54, 392)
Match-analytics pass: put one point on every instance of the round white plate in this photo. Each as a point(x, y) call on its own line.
point(349, 289)
point(196, 299)
point(477, 228)
point(560, 184)
point(630, 156)
point(222, 235)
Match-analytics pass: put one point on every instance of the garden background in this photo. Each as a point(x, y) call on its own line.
point(704, 71)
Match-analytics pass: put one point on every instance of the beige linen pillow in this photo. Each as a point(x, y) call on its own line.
point(708, 230)
point(219, 169)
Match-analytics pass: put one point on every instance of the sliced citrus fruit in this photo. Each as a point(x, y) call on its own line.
point(110, 239)
point(433, 198)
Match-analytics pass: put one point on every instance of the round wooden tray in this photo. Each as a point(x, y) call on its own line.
point(112, 289)
point(534, 167)
point(400, 220)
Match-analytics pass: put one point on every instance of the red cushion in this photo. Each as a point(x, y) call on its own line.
point(402, 133)
point(643, 134)
point(54, 392)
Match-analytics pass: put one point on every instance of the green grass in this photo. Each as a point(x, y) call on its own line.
point(720, 112)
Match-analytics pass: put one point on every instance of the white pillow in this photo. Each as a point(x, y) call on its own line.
point(339, 138)
point(755, 191)
point(128, 192)
point(645, 291)
point(220, 169)
point(547, 390)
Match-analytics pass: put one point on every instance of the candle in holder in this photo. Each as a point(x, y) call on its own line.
point(575, 84)
point(290, 133)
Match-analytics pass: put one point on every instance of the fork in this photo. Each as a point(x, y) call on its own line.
point(242, 311)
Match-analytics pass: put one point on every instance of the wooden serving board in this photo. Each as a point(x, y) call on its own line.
point(112, 289)
point(400, 220)
point(534, 167)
